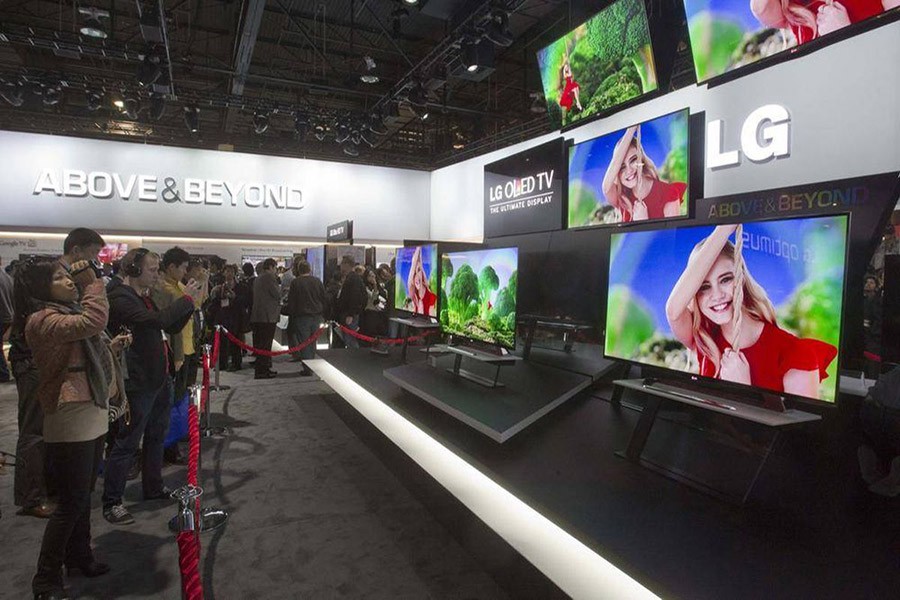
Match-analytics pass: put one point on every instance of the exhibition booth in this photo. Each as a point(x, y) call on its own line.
point(643, 334)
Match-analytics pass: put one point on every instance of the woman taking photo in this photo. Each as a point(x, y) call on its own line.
point(726, 319)
point(77, 376)
point(632, 184)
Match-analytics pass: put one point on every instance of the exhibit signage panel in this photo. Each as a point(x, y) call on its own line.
point(57, 182)
point(525, 193)
point(340, 232)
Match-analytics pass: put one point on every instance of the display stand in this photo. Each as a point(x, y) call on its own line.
point(658, 392)
point(569, 329)
point(417, 324)
point(482, 357)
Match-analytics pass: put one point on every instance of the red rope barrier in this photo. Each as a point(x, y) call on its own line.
point(249, 348)
point(389, 341)
point(189, 541)
point(215, 351)
point(204, 389)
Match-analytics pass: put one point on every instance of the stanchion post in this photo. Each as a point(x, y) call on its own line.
point(217, 387)
point(206, 428)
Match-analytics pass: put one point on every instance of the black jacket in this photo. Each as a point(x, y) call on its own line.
point(306, 297)
point(146, 358)
point(352, 300)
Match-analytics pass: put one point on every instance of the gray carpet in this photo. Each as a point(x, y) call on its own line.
point(313, 513)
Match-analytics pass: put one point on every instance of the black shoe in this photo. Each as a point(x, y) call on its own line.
point(306, 373)
point(164, 494)
point(172, 456)
point(52, 595)
point(91, 569)
point(269, 375)
point(118, 515)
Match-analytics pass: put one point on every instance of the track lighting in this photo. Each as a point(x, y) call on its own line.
point(92, 26)
point(260, 122)
point(192, 118)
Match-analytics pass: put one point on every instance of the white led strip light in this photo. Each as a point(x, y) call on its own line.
point(576, 569)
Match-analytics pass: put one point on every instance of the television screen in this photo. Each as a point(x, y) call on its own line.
point(110, 253)
point(729, 34)
point(478, 295)
point(417, 280)
point(606, 61)
point(316, 259)
point(634, 174)
point(673, 295)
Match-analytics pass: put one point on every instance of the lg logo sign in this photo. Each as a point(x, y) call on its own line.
point(765, 135)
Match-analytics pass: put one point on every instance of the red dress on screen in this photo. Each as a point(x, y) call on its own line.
point(857, 10)
point(567, 98)
point(775, 353)
point(429, 302)
point(661, 193)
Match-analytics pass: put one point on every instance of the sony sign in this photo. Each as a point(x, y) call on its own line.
point(74, 183)
point(765, 135)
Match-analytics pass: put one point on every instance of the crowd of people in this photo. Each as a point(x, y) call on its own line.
point(100, 356)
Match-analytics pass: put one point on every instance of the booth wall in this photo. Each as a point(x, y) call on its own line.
point(385, 204)
point(843, 103)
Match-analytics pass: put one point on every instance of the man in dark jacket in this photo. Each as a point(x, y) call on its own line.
point(148, 384)
point(265, 315)
point(306, 304)
point(351, 301)
point(6, 317)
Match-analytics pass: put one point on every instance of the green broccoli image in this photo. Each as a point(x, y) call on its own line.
point(488, 282)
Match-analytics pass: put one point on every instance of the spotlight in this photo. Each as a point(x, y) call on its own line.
point(342, 134)
point(470, 57)
point(52, 96)
point(92, 27)
point(119, 104)
point(410, 2)
point(192, 118)
point(368, 138)
point(131, 108)
point(376, 124)
point(94, 100)
point(497, 29)
point(260, 122)
point(351, 150)
point(538, 106)
point(417, 95)
point(148, 71)
point(301, 126)
point(355, 137)
point(419, 111)
point(12, 93)
point(320, 131)
point(157, 106)
point(369, 75)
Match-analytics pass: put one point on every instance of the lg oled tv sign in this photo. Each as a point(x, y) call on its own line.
point(524, 193)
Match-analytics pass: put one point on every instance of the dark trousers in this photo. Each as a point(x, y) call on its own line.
point(186, 376)
point(303, 327)
point(229, 354)
point(150, 413)
point(263, 336)
point(4, 368)
point(30, 479)
point(67, 538)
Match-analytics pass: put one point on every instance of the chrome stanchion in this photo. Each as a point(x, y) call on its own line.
point(218, 387)
point(206, 428)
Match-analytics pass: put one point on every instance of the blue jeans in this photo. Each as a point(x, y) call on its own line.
point(150, 411)
point(303, 327)
point(349, 340)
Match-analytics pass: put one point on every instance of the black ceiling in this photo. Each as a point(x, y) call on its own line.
point(295, 62)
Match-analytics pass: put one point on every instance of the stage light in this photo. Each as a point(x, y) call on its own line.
point(157, 106)
point(301, 126)
point(52, 96)
point(148, 71)
point(320, 131)
point(369, 74)
point(497, 29)
point(470, 57)
point(376, 124)
point(12, 93)
point(94, 100)
point(131, 108)
point(260, 122)
point(538, 105)
point(192, 118)
point(92, 27)
point(342, 134)
point(417, 95)
point(410, 2)
point(351, 149)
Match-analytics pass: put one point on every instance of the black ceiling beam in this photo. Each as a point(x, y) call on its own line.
point(251, 20)
point(306, 16)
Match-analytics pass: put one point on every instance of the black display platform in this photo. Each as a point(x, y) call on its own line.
point(530, 392)
point(586, 359)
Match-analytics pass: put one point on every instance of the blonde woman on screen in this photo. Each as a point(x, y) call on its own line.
point(720, 313)
point(423, 301)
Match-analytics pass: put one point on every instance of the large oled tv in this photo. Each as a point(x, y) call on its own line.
point(635, 174)
point(729, 34)
point(416, 282)
point(674, 296)
point(478, 295)
point(316, 258)
point(604, 62)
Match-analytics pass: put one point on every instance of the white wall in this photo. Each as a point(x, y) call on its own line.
point(845, 108)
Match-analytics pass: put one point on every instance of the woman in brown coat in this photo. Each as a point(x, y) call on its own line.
point(77, 376)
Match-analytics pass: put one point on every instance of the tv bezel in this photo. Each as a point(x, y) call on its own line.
point(730, 386)
point(690, 200)
point(845, 33)
point(477, 341)
point(437, 266)
point(306, 255)
point(645, 96)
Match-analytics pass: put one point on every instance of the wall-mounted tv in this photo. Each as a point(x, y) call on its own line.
point(110, 253)
point(478, 295)
point(604, 62)
point(315, 256)
point(727, 35)
point(416, 282)
point(635, 174)
point(673, 298)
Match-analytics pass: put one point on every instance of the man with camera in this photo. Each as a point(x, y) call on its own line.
point(148, 383)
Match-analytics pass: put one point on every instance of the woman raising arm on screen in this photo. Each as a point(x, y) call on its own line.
point(423, 299)
point(745, 345)
point(632, 184)
point(811, 19)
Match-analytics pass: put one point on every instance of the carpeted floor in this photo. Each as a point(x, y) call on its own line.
point(314, 514)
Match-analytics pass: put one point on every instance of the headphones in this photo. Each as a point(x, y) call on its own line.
point(135, 267)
